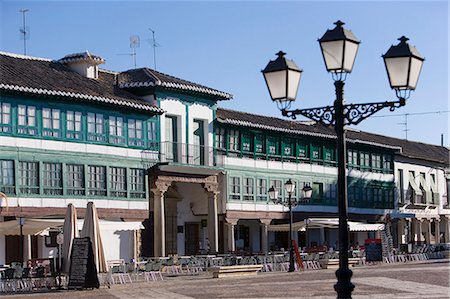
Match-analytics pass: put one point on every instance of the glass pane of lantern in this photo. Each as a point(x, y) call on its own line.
point(294, 81)
point(276, 82)
point(350, 55)
point(398, 71)
point(416, 66)
point(332, 53)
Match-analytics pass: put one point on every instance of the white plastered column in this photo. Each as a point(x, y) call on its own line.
point(159, 223)
point(265, 234)
point(437, 230)
point(428, 233)
point(447, 229)
point(230, 224)
point(213, 216)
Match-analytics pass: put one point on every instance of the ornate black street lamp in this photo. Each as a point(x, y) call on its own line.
point(290, 189)
point(339, 47)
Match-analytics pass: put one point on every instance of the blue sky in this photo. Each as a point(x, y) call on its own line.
point(225, 45)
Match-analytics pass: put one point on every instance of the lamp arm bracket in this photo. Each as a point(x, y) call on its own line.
point(355, 113)
point(324, 115)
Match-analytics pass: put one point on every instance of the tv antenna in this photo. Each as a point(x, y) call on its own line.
point(24, 31)
point(154, 45)
point(134, 43)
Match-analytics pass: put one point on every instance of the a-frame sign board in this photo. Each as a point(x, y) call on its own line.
point(83, 272)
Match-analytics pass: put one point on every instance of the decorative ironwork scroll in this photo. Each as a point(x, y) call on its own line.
point(353, 113)
point(324, 115)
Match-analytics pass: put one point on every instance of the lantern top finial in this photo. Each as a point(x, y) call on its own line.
point(280, 54)
point(403, 39)
point(339, 23)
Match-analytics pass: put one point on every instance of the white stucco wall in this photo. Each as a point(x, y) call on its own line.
point(439, 174)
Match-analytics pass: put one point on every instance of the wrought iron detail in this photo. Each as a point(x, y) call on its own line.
point(324, 115)
point(355, 113)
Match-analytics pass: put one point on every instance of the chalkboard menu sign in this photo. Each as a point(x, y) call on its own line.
point(83, 272)
point(373, 250)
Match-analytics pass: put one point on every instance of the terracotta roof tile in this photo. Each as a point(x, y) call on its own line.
point(41, 76)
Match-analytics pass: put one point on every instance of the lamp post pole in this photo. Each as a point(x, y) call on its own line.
point(339, 48)
point(343, 287)
point(291, 248)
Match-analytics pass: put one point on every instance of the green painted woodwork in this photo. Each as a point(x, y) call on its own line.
point(257, 144)
point(28, 155)
point(66, 134)
point(362, 193)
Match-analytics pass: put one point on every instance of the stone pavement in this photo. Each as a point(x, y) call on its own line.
point(428, 279)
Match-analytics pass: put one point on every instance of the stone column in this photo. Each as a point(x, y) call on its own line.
point(428, 234)
point(230, 224)
point(213, 218)
point(265, 235)
point(401, 238)
point(159, 223)
point(437, 230)
point(419, 231)
point(27, 248)
point(447, 229)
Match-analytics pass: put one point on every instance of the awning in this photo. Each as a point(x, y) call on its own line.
point(42, 226)
point(313, 223)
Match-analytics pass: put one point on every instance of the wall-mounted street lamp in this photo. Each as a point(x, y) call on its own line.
point(339, 48)
point(289, 187)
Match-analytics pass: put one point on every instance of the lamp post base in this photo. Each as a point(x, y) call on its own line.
point(344, 287)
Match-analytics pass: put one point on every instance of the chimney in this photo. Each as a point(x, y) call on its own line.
point(85, 63)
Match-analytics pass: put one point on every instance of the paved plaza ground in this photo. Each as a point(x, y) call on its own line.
point(428, 279)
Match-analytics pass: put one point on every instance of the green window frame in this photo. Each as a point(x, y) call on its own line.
point(352, 158)
point(75, 179)
point(364, 160)
point(288, 147)
point(302, 150)
point(316, 152)
point(26, 120)
point(96, 127)
point(5, 118)
point(137, 183)
point(52, 178)
point(28, 177)
point(247, 142)
point(116, 130)
point(152, 137)
point(51, 122)
point(74, 125)
point(259, 144)
point(261, 189)
point(233, 140)
point(221, 138)
point(7, 182)
point(135, 132)
point(96, 180)
point(329, 154)
point(235, 188)
point(273, 145)
point(376, 161)
point(117, 182)
point(387, 162)
point(248, 189)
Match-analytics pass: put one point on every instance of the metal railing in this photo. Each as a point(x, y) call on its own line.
point(183, 153)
